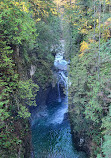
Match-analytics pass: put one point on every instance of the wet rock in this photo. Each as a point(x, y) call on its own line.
point(81, 142)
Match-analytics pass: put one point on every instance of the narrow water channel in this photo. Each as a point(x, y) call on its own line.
point(51, 132)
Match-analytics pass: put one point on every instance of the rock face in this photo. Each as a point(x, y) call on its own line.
point(81, 142)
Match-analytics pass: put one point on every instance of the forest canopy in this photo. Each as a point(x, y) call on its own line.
point(30, 33)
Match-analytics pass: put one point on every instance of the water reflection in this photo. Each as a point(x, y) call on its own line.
point(51, 135)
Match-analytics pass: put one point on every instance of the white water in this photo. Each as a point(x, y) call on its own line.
point(32, 70)
point(59, 61)
point(51, 132)
point(58, 115)
point(61, 69)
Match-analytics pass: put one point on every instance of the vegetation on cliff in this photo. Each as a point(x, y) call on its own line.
point(88, 46)
point(29, 38)
point(27, 35)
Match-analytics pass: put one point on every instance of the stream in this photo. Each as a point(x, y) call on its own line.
point(51, 132)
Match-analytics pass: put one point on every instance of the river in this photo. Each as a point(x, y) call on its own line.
point(51, 132)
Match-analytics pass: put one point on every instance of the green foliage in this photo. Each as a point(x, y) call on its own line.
point(23, 111)
point(27, 36)
point(107, 146)
point(14, 97)
point(45, 50)
point(27, 91)
point(16, 25)
point(88, 45)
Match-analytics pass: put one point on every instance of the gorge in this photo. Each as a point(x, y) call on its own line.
point(51, 131)
point(55, 78)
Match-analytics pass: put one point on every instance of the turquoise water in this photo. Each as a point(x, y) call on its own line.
point(51, 133)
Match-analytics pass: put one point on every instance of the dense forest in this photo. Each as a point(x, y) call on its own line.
point(30, 33)
point(27, 46)
point(88, 47)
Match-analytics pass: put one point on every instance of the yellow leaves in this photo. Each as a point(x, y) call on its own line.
point(16, 3)
point(109, 19)
point(106, 34)
point(108, 2)
point(21, 5)
point(42, 8)
point(1, 3)
point(84, 31)
point(97, 20)
point(83, 48)
point(25, 9)
point(80, 55)
point(54, 11)
point(38, 19)
point(90, 27)
point(44, 12)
